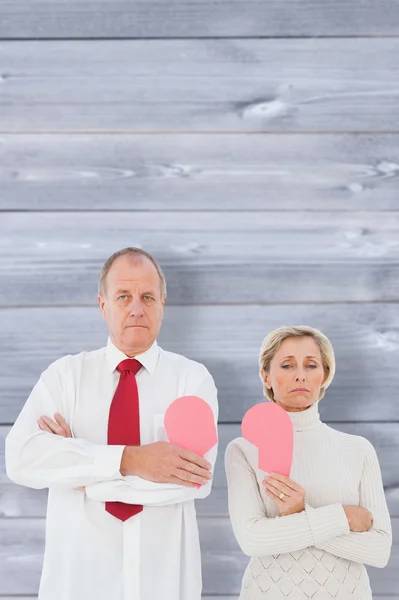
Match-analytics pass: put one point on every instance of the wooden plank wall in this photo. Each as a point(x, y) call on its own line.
point(253, 148)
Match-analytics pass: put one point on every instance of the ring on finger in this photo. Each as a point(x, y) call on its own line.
point(282, 495)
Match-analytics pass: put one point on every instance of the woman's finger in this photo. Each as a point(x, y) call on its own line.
point(279, 486)
point(287, 481)
point(274, 497)
point(276, 490)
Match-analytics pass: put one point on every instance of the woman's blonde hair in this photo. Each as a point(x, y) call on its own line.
point(273, 341)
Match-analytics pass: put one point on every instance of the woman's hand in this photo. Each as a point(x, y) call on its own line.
point(293, 500)
point(59, 426)
point(359, 518)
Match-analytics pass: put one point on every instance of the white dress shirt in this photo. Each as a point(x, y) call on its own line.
point(89, 554)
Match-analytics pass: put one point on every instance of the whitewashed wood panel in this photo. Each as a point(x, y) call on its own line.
point(200, 85)
point(378, 597)
point(227, 340)
point(208, 257)
point(187, 172)
point(179, 18)
point(22, 543)
point(20, 501)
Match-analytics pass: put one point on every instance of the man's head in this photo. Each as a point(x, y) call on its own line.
point(131, 295)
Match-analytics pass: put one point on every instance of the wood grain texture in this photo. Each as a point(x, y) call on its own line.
point(20, 501)
point(378, 597)
point(292, 172)
point(200, 85)
point(227, 340)
point(22, 543)
point(208, 257)
point(42, 19)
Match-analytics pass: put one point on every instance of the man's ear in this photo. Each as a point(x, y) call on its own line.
point(101, 302)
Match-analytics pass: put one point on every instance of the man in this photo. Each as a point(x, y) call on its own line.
point(121, 522)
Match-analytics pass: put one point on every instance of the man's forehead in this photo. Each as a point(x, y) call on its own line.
point(134, 271)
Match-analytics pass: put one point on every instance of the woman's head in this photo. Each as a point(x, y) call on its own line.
point(296, 365)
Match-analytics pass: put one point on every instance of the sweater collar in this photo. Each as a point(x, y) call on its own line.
point(306, 419)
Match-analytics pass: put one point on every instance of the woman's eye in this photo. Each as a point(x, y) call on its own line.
point(313, 366)
point(284, 366)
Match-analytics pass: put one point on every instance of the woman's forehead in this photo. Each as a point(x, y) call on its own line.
point(305, 347)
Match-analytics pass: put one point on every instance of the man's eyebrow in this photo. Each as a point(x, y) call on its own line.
point(152, 292)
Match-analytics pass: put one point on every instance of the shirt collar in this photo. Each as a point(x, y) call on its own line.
point(148, 358)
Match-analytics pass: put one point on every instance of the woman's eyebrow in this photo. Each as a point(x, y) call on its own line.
point(292, 356)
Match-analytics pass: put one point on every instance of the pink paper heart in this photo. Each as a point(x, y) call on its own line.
point(269, 428)
point(189, 423)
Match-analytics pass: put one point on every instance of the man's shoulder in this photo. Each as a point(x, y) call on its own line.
point(182, 364)
point(73, 362)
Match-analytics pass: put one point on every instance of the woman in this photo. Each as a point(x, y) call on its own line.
point(310, 535)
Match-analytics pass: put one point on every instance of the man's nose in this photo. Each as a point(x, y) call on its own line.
point(136, 308)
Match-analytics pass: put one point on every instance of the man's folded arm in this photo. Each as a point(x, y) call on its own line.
point(135, 490)
point(38, 459)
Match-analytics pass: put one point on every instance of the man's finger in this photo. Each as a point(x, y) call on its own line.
point(61, 421)
point(195, 469)
point(179, 481)
point(195, 458)
point(43, 426)
point(186, 476)
point(54, 427)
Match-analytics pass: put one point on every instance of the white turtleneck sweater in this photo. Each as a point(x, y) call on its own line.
point(311, 554)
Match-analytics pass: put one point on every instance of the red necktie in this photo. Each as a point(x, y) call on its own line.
point(124, 425)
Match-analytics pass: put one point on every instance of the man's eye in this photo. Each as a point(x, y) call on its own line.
point(148, 297)
point(121, 297)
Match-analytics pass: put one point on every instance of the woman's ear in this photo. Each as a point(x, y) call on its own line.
point(265, 378)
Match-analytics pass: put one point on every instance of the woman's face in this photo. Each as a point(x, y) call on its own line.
point(296, 374)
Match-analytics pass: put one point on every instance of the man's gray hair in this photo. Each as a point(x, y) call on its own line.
point(133, 252)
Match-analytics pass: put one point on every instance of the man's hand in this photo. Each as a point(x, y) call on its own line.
point(59, 426)
point(294, 499)
point(162, 462)
point(359, 518)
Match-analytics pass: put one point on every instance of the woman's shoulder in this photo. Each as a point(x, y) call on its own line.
point(240, 448)
point(356, 442)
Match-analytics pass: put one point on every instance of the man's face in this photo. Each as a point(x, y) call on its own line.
point(132, 305)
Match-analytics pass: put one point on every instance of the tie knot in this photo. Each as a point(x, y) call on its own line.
point(129, 364)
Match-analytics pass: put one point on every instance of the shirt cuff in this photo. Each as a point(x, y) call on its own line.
point(107, 462)
point(327, 522)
